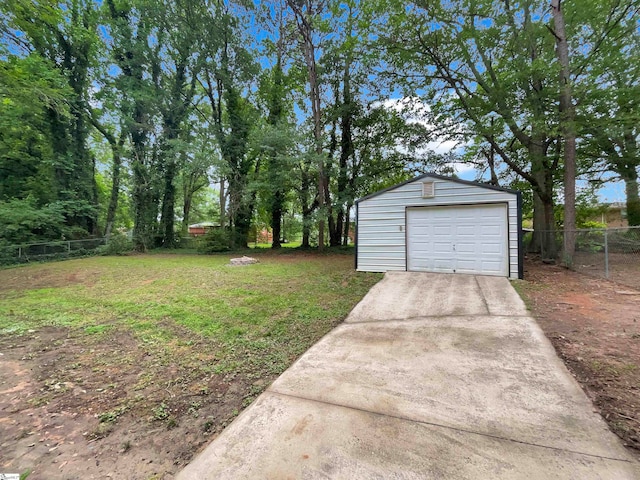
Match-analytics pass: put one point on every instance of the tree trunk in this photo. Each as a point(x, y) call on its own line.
point(116, 154)
point(346, 151)
point(345, 230)
point(567, 125)
point(305, 29)
point(223, 204)
point(633, 200)
point(306, 226)
point(331, 221)
point(333, 145)
point(115, 190)
point(142, 208)
point(543, 205)
point(306, 232)
point(307, 209)
point(142, 195)
point(167, 220)
point(491, 159)
point(629, 173)
point(186, 213)
point(241, 213)
point(317, 133)
point(276, 220)
point(274, 169)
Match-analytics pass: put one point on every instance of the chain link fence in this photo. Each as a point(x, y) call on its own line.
point(14, 254)
point(611, 253)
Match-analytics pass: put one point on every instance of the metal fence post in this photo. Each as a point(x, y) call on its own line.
point(68, 247)
point(606, 255)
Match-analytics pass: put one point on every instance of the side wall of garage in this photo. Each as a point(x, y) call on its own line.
point(381, 217)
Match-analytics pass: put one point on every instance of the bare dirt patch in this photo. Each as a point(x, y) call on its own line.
point(594, 325)
point(18, 278)
point(624, 268)
point(73, 408)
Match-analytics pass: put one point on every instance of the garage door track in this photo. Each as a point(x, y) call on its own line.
point(431, 376)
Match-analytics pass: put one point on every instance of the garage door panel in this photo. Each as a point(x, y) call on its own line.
point(491, 230)
point(442, 247)
point(490, 248)
point(443, 264)
point(465, 216)
point(439, 214)
point(468, 230)
point(468, 248)
point(492, 268)
point(458, 239)
point(444, 230)
point(466, 263)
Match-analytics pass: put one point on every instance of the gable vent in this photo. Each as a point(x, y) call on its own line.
point(428, 190)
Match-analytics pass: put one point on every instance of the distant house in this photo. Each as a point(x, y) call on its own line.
point(614, 216)
point(199, 229)
point(264, 236)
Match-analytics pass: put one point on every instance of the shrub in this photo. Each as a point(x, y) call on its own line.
point(118, 244)
point(216, 240)
point(592, 224)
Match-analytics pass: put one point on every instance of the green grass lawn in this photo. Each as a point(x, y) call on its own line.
point(184, 341)
point(193, 311)
point(277, 301)
point(294, 244)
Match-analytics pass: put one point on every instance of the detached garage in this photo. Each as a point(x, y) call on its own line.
point(440, 224)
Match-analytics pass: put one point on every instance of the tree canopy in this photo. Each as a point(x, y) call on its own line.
point(146, 114)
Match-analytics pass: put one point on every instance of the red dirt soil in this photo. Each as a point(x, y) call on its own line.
point(594, 325)
point(55, 390)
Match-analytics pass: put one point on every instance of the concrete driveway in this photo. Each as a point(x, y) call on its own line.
point(431, 376)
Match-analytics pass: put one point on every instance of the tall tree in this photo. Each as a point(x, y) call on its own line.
point(29, 88)
point(117, 147)
point(482, 60)
point(307, 13)
point(197, 161)
point(568, 129)
point(226, 70)
point(609, 113)
point(276, 140)
point(348, 78)
point(130, 28)
point(274, 166)
point(177, 89)
point(66, 36)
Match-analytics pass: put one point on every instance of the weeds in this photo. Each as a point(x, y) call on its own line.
point(160, 412)
point(112, 415)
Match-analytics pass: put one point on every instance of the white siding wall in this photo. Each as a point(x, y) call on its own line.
point(381, 220)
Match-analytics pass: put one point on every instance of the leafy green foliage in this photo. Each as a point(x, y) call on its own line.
point(22, 221)
point(132, 113)
point(29, 87)
point(118, 244)
point(216, 240)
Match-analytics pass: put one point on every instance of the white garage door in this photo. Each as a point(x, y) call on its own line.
point(457, 239)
